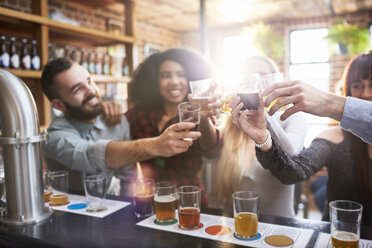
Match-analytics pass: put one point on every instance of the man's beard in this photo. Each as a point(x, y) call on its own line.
point(81, 114)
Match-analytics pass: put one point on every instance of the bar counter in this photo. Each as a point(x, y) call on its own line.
point(120, 230)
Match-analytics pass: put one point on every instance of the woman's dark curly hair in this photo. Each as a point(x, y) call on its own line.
point(144, 87)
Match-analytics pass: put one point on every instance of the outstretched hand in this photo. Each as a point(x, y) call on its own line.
point(171, 141)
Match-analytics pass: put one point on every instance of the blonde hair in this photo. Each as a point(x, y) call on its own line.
point(237, 155)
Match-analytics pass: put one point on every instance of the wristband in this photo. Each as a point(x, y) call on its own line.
point(267, 141)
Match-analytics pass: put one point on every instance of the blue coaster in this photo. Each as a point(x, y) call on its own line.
point(77, 206)
point(258, 236)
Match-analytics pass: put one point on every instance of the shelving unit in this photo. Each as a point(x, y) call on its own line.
point(39, 27)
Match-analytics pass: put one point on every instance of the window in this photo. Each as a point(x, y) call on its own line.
point(309, 62)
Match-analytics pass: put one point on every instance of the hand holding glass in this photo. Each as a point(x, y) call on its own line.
point(95, 192)
point(189, 112)
point(271, 79)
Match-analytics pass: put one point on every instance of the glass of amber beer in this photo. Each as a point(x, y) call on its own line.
point(165, 201)
point(189, 207)
point(345, 217)
point(202, 91)
point(246, 214)
point(59, 183)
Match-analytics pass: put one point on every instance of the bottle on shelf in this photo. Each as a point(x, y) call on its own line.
point(98, 64)
point(91, 66)
point(4, 54)
point(25, 56)
point(50, 51)
point(106, 64)
point(125, 67)
point(74, 55)
point(14, 56)
point(83, 59)
point(35, 59)
point(67, 52)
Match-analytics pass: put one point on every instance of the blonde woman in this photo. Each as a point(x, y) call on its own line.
point(238, 168)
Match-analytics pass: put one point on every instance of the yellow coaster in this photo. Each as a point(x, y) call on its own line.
point(279, 240)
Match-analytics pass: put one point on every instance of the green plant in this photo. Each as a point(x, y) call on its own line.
point(349, 38)
point(266, 40)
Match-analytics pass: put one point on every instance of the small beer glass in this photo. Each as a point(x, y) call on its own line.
point(165, 201)
point(189, 112)
point(189, 207)
point(267, 81)
point(249, 91)
point(59, 183)
point(202, 91)
point(47, 188)
point(345, 217)
point(95, 192)
point(143, 197)
point(245, 214)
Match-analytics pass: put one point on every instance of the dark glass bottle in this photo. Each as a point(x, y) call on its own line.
point(14, 56)
point(35, 59)
point(91, 66)
point(4, 54)
point(25, 56)
point(83, 59)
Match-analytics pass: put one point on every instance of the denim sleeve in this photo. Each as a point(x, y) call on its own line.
point(357, 118)
point(76, 153)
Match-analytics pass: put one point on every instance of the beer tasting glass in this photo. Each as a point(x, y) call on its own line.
point(189, 112)
point(165, 201)
point(59, 183)
point(143, 197)
point(202, 91)
point(95, 192)
point(268, 80)
point(227, 99)
point(249, 91)
point(189, 207)
point(245, 214)
point(345, 217)
point(47, 188)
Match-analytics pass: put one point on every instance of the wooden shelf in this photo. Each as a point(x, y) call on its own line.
point(25, 73)
point(99, 37)
point(110, 79)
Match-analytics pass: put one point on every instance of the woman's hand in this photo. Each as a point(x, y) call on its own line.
point(253, 123)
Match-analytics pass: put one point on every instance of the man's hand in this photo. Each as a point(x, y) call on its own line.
point(113, 112)
point(171, 141)
point(304, 97)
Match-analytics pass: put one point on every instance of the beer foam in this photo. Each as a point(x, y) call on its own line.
point(164, 198)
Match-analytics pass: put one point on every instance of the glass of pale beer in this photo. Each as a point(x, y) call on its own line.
point(202, 91)
point(270, 79)
point(189, 112)
point(189, 207)
point(345, 217)
point(59, 182)
point(245, 214)
point(249, 91)
point(165, 201)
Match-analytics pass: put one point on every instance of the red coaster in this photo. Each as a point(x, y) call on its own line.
point(58, 205)
point(218, 230)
